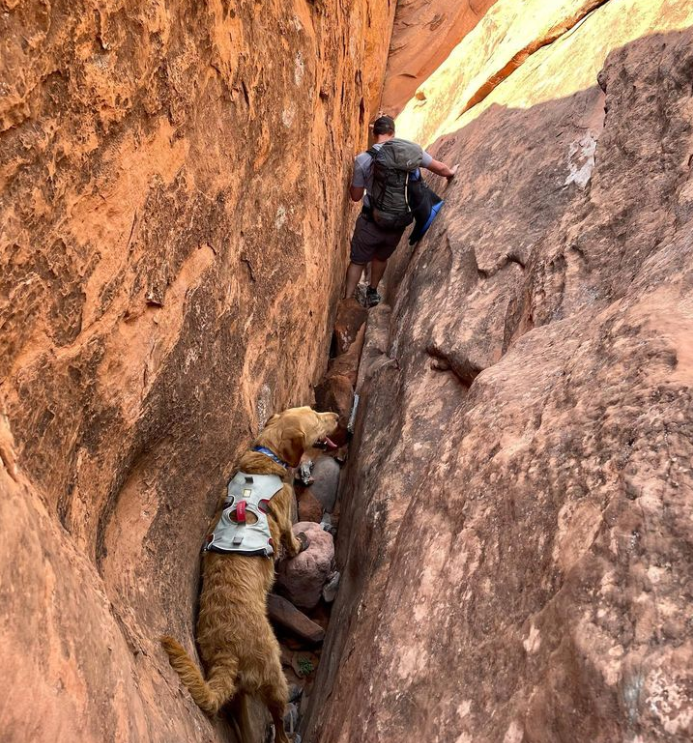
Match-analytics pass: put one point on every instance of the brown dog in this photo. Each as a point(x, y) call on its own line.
point(238, 647)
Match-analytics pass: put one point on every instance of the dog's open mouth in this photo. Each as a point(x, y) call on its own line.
point(325, 444)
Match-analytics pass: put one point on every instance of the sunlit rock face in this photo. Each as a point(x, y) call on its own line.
point(512, 34)
point(423, 35)
point(516, 537)
point(173, 229)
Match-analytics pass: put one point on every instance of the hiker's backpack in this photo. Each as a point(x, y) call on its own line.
point(393, 164)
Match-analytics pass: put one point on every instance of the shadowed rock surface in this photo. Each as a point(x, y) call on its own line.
point(326, 474)
point(172, 232)
point(516, 534)
point(285, 614)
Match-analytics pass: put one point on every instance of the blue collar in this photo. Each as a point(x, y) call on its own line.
point(269, 453)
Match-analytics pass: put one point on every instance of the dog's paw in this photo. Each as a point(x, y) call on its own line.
point(303, 541)
point(298, 544)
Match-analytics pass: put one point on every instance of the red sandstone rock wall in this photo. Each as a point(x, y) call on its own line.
point(172, 230)
point(516, 542)
point(423, 35)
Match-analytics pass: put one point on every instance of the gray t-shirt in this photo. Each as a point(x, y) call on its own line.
point(363, 171)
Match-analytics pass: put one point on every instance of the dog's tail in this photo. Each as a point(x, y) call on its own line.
point(209, 695)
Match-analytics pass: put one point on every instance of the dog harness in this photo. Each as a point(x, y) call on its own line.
point(233, 533)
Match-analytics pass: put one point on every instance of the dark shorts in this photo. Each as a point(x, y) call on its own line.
point(370, 241)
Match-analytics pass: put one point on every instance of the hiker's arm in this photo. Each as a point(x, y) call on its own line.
point(356, 193)
point(358, 182)
point(435, 166)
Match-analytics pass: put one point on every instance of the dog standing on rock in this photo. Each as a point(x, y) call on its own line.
point(238, 647)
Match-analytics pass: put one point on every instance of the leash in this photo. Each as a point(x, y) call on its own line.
point(269, 453)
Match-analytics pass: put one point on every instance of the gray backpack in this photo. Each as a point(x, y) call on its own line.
point(393, 164)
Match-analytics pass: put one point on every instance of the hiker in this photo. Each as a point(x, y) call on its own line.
point(384, 174)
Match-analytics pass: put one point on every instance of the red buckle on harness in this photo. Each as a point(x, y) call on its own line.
point(240, 512)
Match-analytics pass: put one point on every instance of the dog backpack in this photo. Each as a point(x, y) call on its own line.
point(393, 164)
point(236, 533)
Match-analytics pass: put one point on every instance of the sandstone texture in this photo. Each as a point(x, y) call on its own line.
point(301, 579)
point(335, 393)
point(173, 231)
point(347, 363)
point(509, 35)
point(347, 325)
point(423, 35)
point(516, 535)
point(309, 507)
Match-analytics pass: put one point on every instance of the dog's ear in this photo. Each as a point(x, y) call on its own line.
point(294, 444)
point(272, 420)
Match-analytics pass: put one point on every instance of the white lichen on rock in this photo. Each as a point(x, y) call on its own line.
point(581, 160)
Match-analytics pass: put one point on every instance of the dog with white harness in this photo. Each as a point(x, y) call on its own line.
point(239, 650)
point(243, 527)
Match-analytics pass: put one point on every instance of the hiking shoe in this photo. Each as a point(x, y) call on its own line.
point(372, 297)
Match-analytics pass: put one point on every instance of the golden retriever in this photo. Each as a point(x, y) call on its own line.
point(238, 647)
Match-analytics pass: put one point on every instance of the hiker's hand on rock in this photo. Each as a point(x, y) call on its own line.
point(453, 170)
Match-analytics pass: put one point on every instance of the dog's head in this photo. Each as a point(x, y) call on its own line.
point(297, 430)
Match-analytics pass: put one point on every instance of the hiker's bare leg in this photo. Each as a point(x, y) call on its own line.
point(353, 277)
point(377, 271)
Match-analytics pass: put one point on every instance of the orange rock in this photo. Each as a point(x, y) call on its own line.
point(506, 38)
point(347, 363)
point(335, 393)
point(350, 318)
point(172, 182)
point(309, 507)
point(423, 35)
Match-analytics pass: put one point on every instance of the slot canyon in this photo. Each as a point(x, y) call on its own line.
point(513, 531)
